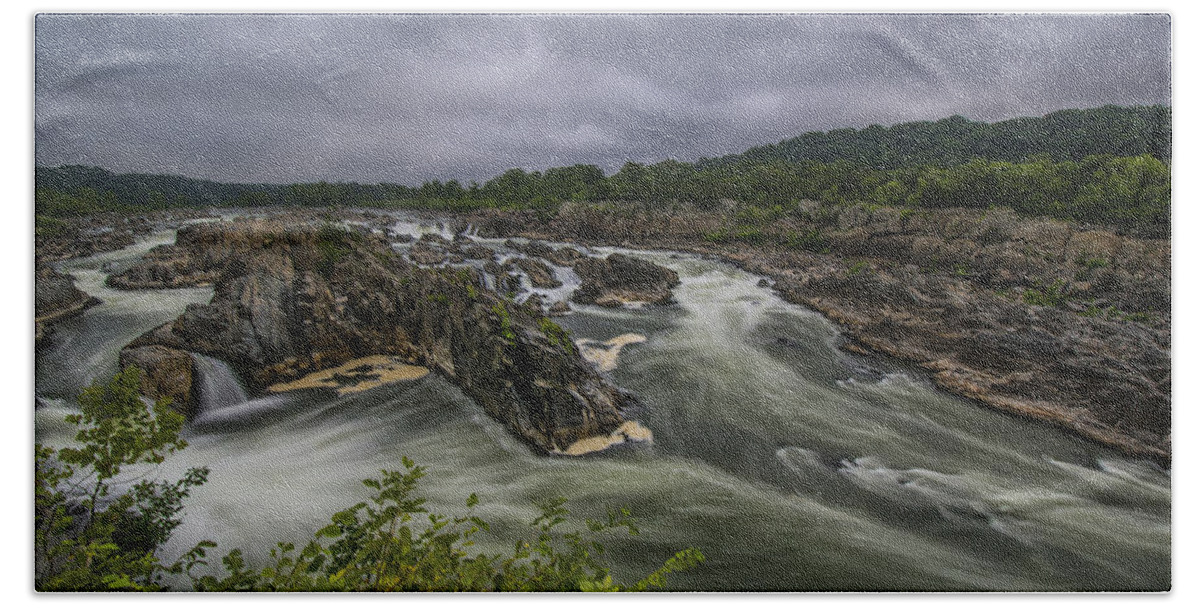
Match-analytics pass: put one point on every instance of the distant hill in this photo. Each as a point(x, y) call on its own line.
point(1063, 135)
point(137, 188)
point(77, 189)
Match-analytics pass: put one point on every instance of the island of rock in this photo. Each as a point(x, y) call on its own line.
point(293, 298)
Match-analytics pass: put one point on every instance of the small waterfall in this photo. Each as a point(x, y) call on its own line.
point(217, 385)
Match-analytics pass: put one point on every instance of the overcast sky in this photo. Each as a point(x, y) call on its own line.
point(370, 98)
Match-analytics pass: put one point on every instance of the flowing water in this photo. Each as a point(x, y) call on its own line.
point(789, 463)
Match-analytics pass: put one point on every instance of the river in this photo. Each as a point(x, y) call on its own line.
point(791, 464)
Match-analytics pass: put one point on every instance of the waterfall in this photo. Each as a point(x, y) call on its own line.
point(217, 385)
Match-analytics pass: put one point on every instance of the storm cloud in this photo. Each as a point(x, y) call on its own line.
point(406, 98)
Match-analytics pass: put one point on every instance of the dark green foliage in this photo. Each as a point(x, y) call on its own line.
point(1062, 135)
point(1106, 165)
point(88, 537)
point(50, 227)
point(393, 543)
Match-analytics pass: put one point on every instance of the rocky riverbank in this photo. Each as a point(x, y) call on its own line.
point(55, 298)
point(1064, 323)
point(60, 239)
point(292, 298)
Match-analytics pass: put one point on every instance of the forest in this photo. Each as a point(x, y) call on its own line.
point(1108, 166)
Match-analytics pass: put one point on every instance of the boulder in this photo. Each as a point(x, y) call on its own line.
point(478, 252)
point(425, 254)
point(539, 273)
point(567, 256)
point(55, 297)
point(168, 372)
point(559, 309)
point(620, 279)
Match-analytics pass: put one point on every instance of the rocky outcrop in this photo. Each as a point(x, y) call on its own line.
point(566, 256)
point(169, 267)
point(169, 373)
point(620, 279)
point(539, 273)
point(63, 238)
point(1056, 321)
point(295, 299)
point(478, 252)
point(55, 297)
point(426, 254)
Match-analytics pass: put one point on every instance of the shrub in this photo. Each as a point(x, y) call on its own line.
point(85, 537)
point(393, 543)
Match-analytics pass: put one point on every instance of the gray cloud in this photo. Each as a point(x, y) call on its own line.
point(405, 98)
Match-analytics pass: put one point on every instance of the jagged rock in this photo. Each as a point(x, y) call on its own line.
point(425, 254)
point(170, 266)
point(532, 248)
point(295, 299)
point(434, 238)
point(620, 279)
point(559, 309)
point(478, 252)
point(943, 289)
point(169, 373)
point(539, 274)
point(88, 235)
point(536, 303)
point(566, 256)
point(55, 297)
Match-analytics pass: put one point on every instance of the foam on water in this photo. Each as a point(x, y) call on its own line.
point(791, 464)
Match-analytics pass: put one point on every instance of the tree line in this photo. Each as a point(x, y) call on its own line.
point(1108, 166)
point(1062, 135)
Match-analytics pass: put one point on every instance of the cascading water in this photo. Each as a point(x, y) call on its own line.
point(217, 386)
point(789, 463)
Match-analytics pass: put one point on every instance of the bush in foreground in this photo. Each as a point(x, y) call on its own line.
point(88, 537)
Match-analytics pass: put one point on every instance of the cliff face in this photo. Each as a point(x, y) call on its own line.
point(291, 300)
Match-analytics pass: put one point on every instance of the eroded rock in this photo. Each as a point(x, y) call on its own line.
point(620, 279)
point(298, 299)
point(55, 298)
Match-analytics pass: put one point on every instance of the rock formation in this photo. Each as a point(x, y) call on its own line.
point(294, 299)
point(55, 297)
point(1061, 322)
point(620, 279)
point(539, 273)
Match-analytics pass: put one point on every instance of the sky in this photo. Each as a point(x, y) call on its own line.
point(407, 98)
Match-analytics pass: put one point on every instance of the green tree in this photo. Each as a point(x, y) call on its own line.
point(87, 535)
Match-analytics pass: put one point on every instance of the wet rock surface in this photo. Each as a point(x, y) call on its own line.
point(55, 297)
point(1060, 322)
point(170, 373)
point(539, 273)
point(67, 238)
point(293, 298)
point(620, 279)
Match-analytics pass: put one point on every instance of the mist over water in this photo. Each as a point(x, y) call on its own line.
point(789, 463)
